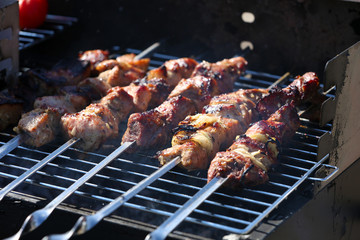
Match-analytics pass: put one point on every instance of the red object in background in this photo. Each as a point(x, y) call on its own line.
point(32, 13)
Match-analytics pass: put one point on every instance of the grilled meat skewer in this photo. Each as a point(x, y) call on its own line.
point(42, 124)
point(153, 128)
point(248, 160)
point(199, 137)
point(91, 124)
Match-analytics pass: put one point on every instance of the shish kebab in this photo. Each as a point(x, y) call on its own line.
point(37, 127)
point(188, 96)
point(150, 91)
point(247, 161)
point(226, 72)
point(234, 103)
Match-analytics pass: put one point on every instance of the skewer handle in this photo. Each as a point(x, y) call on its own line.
point(172, 222)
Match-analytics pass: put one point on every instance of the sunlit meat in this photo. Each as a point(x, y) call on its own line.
point(93, 125)
point(251, 156)
point(174, 70)
point(197, 91)
point(122, 71)
point(119, 103)
point(42, 124)
point(199, 137)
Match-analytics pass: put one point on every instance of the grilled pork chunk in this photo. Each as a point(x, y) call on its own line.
point(199, 137)
point(10, 110)
point(94, 57)
point(197, 91)
point(174, 70)
point(250, 157)
point(41, 125)
point(301, 90)
point(122, 71)
point(119, 102)
point(93, 125)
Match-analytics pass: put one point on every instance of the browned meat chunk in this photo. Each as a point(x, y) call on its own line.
point(302, 89)
point(174, 70)
point(198, 138)
point(152, 127)
point(94, 125)
point(39, 126)
point(251, 156)
point(225, 72)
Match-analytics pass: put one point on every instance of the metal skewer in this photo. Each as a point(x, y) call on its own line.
point(171, 223)
point(36, 167)
point(85, 223)
point(9, 146)
point(35, 219)
point(16, 141)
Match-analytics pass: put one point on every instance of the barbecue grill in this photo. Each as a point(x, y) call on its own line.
point(266, 211)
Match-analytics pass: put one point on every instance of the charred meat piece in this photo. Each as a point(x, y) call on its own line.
point(302, 89)
point(39, 126)
point(248, 160)
point(225, 117)
point(224, 72)
point(68, 103)
point(152, 127)
point(94, 57)
point(198, 90)
point(120, 101)
point(174, 70)
point(159, 90)
point(122, 71)
point(93, 125)
point(125, 60)
point(198, 138)
point(94, 88)
point(10, 110)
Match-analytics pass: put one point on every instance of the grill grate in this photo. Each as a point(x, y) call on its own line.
point(225, 212)
point(53, 24)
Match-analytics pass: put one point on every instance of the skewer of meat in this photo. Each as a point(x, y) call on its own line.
point(99, 121)
point(86, 223)
point(42, 125)
point(153, 128)
point(199, 137)
point(243, 163)
point(16, 140)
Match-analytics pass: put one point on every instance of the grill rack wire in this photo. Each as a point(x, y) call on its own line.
point(225, 212)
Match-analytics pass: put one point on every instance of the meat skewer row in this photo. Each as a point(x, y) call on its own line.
point(153, 128)
point(242, 164)
point(42, 125)
point(99, 121)
point(89, 222)
point(248, 160)
point(199, 137)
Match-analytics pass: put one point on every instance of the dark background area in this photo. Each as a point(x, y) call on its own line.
point(295, 36)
